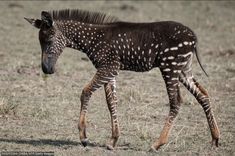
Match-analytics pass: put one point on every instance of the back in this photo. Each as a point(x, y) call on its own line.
point(138, 44)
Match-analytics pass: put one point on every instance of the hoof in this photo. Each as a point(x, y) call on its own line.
point(157, 145)
point(152, 149)
point(215, 142)
point(109, 147)
point(84, 142)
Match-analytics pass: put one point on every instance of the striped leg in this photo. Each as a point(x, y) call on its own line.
point(203, 98)
point(112, 106)
point(98, 80)
point(179, 97)
point(172, 85)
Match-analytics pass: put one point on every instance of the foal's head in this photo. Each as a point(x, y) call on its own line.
point(51, 39)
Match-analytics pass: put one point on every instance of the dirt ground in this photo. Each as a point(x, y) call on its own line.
point(39, 113)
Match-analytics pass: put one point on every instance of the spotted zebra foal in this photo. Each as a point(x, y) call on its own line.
point(113, 45)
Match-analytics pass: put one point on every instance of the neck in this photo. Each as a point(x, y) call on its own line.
point(81, 36)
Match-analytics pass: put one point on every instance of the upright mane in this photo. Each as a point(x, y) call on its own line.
point(83, 16)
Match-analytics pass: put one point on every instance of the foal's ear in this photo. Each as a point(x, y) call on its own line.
point(46, 18)
point(35, 22)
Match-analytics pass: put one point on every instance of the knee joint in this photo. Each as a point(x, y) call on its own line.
point(86, 93)
point(204, 91)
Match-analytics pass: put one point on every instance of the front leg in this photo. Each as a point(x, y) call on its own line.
point(101, 78)
point(86, 94)
point(110, 92)
point(85, 97)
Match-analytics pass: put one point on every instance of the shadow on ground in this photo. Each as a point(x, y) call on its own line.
point(41, 142)
point(58, 143)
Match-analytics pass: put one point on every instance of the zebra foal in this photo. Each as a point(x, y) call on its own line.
point(114, 45)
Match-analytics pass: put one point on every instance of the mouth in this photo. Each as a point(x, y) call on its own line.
point(47, 69)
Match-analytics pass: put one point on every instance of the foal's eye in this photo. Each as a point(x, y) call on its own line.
point(44, 32)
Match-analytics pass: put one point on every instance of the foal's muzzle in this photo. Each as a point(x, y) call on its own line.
point(48, 64)
point(47, 68)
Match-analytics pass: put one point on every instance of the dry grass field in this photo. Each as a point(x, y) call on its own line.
point(40, 113)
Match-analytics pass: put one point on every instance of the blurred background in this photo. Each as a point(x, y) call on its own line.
point(40, 113)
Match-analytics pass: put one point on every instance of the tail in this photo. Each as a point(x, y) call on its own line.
point(198, 59)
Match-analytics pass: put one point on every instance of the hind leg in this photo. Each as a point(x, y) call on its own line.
point(172, 85)
point(179, 96)
point(203, 98)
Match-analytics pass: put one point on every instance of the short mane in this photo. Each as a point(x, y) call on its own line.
point(83, 16)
